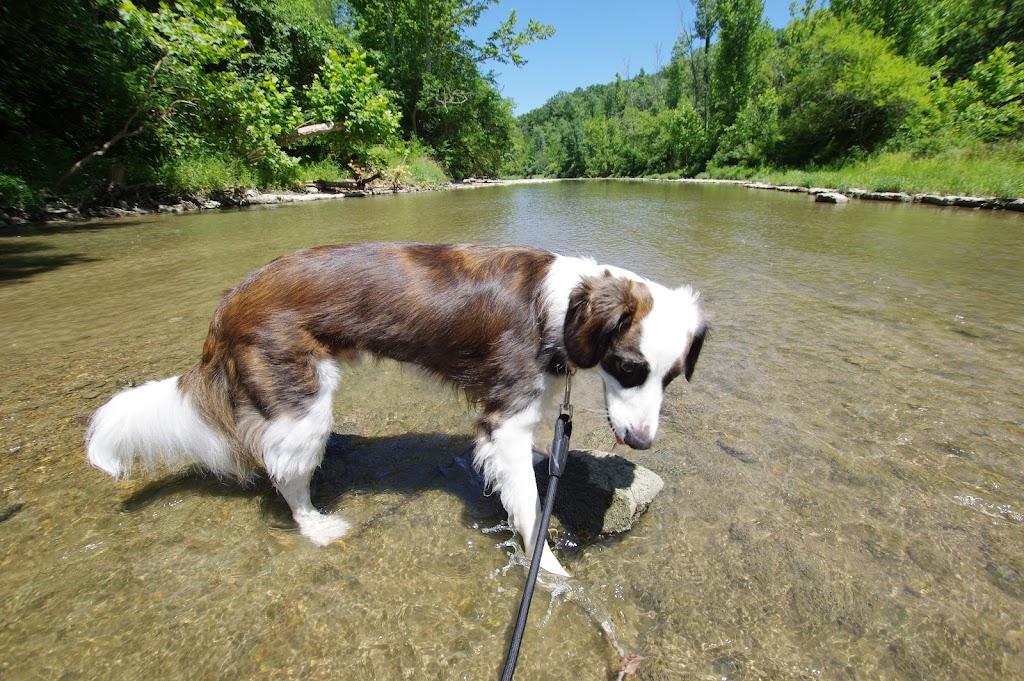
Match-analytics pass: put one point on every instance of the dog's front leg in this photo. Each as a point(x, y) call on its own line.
point(505, 456)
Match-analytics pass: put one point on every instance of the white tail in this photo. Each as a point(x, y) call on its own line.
point(158, 422)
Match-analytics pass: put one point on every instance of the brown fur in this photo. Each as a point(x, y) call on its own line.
point(477, 305)
point(604, 312)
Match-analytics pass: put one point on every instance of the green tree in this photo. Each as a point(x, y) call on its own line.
point(425, 56)
point(753, 140)
point(62, 89)
point(705, 23)
point(289, 38)
point(967, 31)
point(844, 88)
point(195, 94)
point(185, 42)
point(744, 40)
point(989, 103)
point(906, 24)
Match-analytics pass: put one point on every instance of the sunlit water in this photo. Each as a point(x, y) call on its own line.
point(844, 482)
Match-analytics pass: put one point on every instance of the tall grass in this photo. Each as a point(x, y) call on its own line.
point(982, 170)
point(206, 174)
point(410, 162)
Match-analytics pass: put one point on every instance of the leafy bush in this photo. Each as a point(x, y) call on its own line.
point(406, 162)
point(16, 195)
point(204, 174)
point(844, 88)
point(754, 138)
point(989, 103)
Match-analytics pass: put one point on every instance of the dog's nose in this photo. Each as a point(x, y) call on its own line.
point(639, 438)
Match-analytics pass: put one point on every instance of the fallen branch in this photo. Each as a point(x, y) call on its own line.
point(306, 131)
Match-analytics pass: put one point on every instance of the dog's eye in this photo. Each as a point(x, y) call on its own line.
point(628, 372)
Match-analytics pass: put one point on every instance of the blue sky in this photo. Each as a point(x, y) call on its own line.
point(593, 41)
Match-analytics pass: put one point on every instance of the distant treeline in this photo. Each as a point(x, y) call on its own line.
point(102, 98)
point(834, 86)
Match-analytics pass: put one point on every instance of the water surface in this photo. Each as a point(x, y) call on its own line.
point(844, 485)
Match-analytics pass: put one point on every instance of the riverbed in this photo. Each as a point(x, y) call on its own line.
point(844, 488)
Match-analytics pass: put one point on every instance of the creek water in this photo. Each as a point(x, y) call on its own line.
point(844, 488)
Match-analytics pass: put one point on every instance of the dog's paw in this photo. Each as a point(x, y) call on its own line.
point(323, 529)
point(550, 564)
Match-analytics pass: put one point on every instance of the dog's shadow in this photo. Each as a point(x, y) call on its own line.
point(407, 464)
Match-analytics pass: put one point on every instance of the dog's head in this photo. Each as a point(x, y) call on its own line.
point(640, 336)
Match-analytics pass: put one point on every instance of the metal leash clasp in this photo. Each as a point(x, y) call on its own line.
point(566, 403)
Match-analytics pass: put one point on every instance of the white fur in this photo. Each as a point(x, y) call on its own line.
point(162, 426)
point(506, 460)
point(293, 449)
point(672, 321)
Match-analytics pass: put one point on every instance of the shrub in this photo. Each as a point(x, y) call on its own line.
point(16, 195)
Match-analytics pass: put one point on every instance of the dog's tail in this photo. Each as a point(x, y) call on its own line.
point(186, 420)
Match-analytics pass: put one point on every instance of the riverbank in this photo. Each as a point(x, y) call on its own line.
point(57, 210)
point(832, 195)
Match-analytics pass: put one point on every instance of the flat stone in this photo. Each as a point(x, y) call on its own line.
point(1016, 205)
point(831, 197)
point(936, 199)
point(886, 196)
point(600, 493)
point(973, 202)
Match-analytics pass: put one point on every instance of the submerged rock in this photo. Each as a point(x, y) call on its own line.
point(830, 197)
point(601, 493)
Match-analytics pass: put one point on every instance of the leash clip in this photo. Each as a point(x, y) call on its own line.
point(566, 407)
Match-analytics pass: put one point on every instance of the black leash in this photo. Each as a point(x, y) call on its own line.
point(556, 464)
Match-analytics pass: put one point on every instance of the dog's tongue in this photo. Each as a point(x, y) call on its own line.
point(619, 439)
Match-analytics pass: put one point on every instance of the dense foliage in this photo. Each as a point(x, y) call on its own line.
point(99, 98)
point(836, 86)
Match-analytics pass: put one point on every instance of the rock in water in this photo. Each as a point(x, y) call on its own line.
point(600, 493)
point(831, 197)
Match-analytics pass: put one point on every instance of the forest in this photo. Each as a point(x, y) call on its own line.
point(102, 99)
point(904, 94)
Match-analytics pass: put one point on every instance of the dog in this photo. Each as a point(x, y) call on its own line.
point(497, 322)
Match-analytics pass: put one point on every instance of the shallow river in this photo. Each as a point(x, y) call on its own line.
point(844, 479)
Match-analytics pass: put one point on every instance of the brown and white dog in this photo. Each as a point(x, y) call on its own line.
point(497, 322)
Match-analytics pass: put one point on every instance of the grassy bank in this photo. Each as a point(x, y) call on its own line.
point(404, 166)
point(989, 170)
point(209, 175)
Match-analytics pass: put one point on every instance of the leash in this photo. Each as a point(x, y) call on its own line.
point(556, 464)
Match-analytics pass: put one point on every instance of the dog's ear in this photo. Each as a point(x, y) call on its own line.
point(690, 363)
point(600, 308)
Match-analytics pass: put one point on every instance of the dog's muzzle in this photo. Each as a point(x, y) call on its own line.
point(640, 438)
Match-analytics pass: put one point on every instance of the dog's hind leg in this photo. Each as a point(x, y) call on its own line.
point(319, 528)
point(293, 448)
point(505, 456)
